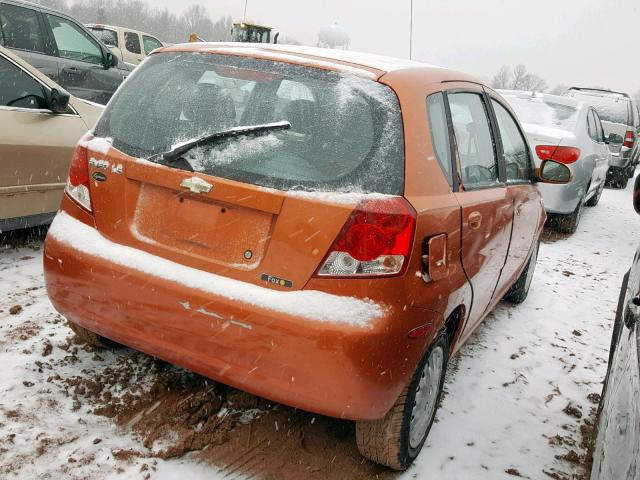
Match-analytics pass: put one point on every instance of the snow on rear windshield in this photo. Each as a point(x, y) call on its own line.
point(544, 112)
point(346, 132)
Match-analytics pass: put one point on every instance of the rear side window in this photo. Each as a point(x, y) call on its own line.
point(514, 147)
point(150, 44)
point(591, 126)
point(108, 37)
point(440, 133)
point(345, 135)
point(21, 28)
point(599, 129)
point(473, 138)
point(18, 88)
point(132, 42)
point(73, 42)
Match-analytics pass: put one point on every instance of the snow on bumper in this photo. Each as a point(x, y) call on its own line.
point(312, 305)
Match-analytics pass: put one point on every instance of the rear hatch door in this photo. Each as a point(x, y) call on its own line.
point(252, 207)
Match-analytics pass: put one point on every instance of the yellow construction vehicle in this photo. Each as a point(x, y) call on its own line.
point(252, 33)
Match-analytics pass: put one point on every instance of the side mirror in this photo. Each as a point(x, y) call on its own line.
point(636, 194)
point(554, 172)
point(614, 138)
point(58, 100)
point(111, 60)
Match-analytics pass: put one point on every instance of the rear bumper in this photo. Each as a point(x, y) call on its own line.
point(340, 369)
point(620, 160)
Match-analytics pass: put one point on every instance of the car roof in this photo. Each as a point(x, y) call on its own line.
point(365, 64)
point(604, 94)
point(36, 6)
point(559, 99)
point(599, 92)
point(114, 27)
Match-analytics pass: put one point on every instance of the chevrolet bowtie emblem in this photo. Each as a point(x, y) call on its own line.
point(196, 185)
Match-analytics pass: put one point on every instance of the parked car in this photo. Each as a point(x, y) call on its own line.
point(617, 448)
point(621, 122)
point(318, 244)
point(129, 45)
point(61, 48)
point(41, 125)
point(568, 131)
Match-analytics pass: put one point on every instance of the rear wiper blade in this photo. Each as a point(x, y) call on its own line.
point(177, 151)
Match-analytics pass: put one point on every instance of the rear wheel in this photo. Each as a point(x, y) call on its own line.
point(593, 201)
point(396, 439)
point(569, 223)
point(92, 339)
point(519, 290)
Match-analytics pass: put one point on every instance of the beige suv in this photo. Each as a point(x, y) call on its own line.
point(129, 45)
point(41, 124)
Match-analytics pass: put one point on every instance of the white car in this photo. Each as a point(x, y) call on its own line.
point(128, 45)
point(568, 131)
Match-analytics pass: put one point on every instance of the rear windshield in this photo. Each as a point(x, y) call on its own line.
point(610, 109)
point(345, 135)
point(108, 37)
point(544, 112)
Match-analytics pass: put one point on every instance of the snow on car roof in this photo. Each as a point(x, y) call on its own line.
point(345, 59)
point(547, 97)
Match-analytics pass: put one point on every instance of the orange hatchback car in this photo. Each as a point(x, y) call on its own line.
point(320, 228)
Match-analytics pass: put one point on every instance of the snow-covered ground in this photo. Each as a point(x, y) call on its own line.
point(513, 395)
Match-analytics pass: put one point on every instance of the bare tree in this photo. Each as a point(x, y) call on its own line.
point(196, 20)
point(222, 29)
point(518, 78)
point(502, 79)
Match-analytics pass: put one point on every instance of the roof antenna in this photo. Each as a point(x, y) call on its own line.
point(410, 29)
point(244, 16)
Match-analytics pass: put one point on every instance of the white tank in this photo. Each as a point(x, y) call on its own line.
point(333, 36)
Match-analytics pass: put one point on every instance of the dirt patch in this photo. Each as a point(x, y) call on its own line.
point(573, 410)
point(549, 235)
point(288, 444)
point(580, 453)
point(24, 331)
point(174, 412)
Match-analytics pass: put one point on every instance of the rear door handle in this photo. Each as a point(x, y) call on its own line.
point(475, 220)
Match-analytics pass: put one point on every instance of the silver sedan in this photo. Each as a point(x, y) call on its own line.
point(568, 131)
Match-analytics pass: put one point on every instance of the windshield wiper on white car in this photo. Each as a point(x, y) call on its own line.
point(177, 151)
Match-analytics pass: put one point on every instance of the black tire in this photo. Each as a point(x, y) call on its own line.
point(595, 199)
point(569, 223)
point(622, 182)
point(520, 290)
point(94, 340)
point(387, 441)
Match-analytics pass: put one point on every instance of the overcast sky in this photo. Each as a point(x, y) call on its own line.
point(575, 42)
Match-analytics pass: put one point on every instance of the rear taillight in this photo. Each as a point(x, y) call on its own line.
point(78, 178)
point(375, 240)
point(559, 154)
point(629, 139)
